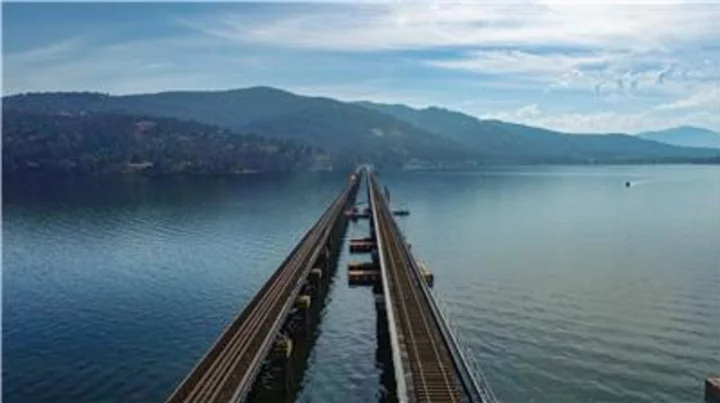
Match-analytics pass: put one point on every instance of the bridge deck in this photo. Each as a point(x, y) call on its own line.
point(433, 368)
point(227, 371)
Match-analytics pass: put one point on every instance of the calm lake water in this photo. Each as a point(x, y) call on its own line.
point(563, 284)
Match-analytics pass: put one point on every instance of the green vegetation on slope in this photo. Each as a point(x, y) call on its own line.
point(357, 134)
point(351, 133)
point(105, 143)
point(500, 141)
point(390, 136)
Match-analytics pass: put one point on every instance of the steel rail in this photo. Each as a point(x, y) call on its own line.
point(431, 367)
point(214, 385)
point(473, 390)
point(208, 364)
point(400, 383)
point(249, 376)
point(258, 322)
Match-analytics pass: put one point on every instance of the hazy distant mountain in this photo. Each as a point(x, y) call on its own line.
point(502, 141)
point(686, 136)
point(387, 135)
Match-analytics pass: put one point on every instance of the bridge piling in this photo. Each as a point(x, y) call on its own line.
point(262, 353)
point(712, 389)
point(303, 321)
point(428, 363)
point(383, 351)
point(244, 361)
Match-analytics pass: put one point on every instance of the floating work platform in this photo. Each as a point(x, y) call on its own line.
point(354, 213)
point(712, 389)
point(363, 273)
point(369, 266)
point(363, 277)
point(363, 245)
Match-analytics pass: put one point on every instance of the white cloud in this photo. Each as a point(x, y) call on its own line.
point(707, 98)
point(528, 112)
point(599, 67)
point(602, 72)
point(646, 48)
point(125, 67)
point(514, 61)
point(49, 52)
point(440, 24)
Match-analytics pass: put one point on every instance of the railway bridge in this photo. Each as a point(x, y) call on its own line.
point(428, 364)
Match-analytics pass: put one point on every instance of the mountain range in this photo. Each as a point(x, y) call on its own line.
point(346, 133)
point(685, 136)
point(508, 142)
point(114, 143)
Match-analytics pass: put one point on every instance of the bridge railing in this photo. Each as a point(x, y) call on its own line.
point(335, 211)
point(401, 387)
point(468, 376)
point(462, 343)
point(313, 239)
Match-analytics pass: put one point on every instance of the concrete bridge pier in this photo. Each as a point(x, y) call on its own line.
point(275, 381)
point(712, 389)
point(383, 352)
point(283, 368)
point(269, 355)
point(282, 373)
point(317, 279)
point(303, 328)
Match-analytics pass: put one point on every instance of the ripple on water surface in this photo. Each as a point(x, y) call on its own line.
point(564, 285)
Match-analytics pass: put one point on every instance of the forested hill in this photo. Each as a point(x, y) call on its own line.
point(232, 109)
point(350, 133)
point(97, 143)
point(390, 136)
point(496, 140)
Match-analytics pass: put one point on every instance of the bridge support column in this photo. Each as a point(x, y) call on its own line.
point(324, 258)
point(304, 317)
point(276, 377)
point(712, 389)
point(383, 352)
point(282, 351)
point(281, 369)
point(317, 280)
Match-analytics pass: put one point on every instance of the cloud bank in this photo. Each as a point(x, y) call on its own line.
point(571, 66)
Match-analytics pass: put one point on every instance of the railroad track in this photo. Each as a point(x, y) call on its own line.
point(227, 371)
point(432, 369)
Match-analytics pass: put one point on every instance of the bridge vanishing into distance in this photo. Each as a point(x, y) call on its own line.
point(251, 358)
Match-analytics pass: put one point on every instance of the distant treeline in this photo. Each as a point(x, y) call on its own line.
point(205, 132)
point(109, 143)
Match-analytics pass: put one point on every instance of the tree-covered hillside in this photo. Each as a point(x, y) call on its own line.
point(351, 133)
point(500, 141)
point(390, 136)
point(107, 143)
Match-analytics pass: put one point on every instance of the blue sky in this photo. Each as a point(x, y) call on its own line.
point(580, 67)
